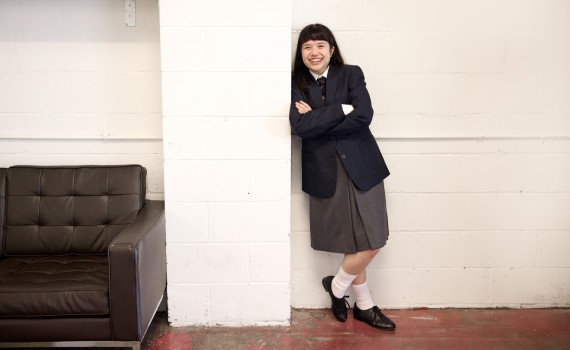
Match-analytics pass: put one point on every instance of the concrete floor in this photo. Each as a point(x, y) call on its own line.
point(416, 329)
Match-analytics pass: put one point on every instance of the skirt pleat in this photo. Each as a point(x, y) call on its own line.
point(352, 220)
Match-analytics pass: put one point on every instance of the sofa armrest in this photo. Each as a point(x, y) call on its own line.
point(137, 267)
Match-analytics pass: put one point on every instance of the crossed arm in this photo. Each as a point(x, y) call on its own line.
point(336, 118)
point(303, 107)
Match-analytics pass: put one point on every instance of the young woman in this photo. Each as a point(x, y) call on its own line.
point(342, 168)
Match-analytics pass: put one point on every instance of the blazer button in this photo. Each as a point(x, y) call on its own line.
point(343, 156)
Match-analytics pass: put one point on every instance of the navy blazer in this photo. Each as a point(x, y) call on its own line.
point(326, 132)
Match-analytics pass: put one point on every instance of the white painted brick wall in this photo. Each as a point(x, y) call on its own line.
point(472, 113)
point(227, 146)
point(79, 87)
point(473, 116)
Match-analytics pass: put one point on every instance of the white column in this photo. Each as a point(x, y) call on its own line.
point(226, 90)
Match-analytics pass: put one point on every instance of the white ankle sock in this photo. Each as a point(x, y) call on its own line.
point(362, 295)
point(341, 282)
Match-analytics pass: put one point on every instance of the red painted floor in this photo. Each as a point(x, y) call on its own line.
point(416, 329)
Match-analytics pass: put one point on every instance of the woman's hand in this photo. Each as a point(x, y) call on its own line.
point(303, 107)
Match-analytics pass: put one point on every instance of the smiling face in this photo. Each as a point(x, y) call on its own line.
point(317, 55)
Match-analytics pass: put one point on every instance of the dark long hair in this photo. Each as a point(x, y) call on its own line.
point(313, 32)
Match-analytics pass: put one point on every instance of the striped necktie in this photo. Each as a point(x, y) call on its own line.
point(322, 84)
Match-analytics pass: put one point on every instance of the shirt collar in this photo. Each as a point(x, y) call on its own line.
point(325, 74)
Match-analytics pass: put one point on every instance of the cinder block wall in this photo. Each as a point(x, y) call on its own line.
point(227, 148)
point(79, 87)
point(472, 112)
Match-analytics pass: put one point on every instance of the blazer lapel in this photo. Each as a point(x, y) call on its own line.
point(315, 92)
point(332, 82)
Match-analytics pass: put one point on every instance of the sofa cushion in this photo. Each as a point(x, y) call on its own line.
point(54, 286)
point(70, 210)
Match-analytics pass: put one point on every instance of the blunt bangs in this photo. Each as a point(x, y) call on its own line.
point(315, 32)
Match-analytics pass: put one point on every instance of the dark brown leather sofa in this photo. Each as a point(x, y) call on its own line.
point(82, 259)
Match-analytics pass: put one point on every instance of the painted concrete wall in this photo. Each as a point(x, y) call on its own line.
point(472, 113)
point(227, 148)
point(79, 87)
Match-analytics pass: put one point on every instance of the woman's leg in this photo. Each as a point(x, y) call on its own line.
point(352, 271)
point(365, 310)
point(355, 264)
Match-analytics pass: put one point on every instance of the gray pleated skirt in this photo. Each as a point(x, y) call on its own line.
point(352, 220)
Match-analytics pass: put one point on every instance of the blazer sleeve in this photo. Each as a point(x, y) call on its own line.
point(359, 98)
point(315, 122)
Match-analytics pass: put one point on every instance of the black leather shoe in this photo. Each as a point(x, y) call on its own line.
point(338, 305)
point(375, 318)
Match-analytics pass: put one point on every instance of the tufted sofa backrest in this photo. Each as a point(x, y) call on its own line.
point(3, 172)
point(70, 210)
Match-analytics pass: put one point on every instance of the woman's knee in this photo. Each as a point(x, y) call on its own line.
point(374, 252)
point(371, 253)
